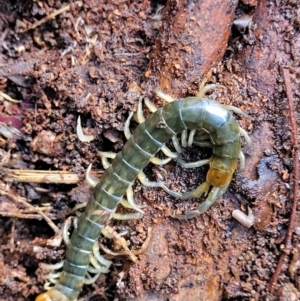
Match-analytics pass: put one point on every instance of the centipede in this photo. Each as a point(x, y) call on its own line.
point(209, 123)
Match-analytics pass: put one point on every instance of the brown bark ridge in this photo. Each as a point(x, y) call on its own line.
point(193, 38)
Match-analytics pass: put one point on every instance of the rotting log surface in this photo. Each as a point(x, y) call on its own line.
point(192, 40)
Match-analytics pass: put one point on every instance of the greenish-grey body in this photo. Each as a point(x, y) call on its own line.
point(147, 140)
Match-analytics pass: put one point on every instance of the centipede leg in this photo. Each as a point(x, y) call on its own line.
point(139, 116)
point(158, 161)
point(246, 136)
point(184, 136)
point(207, 88)
point(130, 199)
point(104, 156)
point(96, 267)
point(197, 142)
point(90, 280)
point(236, 110)
point(163, 95)
point(55, 266)
point(100, 259)
point(53, 276)
point(168, 152)
point(152, 108)
point(70, 221)
point(127, 132)
point(203, 143)
point(242, 160)
point(144, 180)
point(201, 139)
point(127, 216)
point(90, 178)
point(81, 136)
point(176, 144)
point(126, 204)
point(191, 137)
point(193, 164)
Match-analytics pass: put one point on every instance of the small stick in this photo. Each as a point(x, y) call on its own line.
point(20, 275)
point(288, 238)
point(24, 202)
point(48, 220)
point(42, 176)
point(13, 233)
point(20, 215)
point(51, 16)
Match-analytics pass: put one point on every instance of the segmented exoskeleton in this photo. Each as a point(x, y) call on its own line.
point(215, 126)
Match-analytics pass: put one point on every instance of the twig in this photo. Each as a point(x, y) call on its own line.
point(51, 16)
point(288, 238)
point(42, 176)
point(20, 215)
point(24, 202)
point(12, 239)
point(20, 275)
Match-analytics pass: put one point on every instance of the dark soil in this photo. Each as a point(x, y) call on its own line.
point(96, 60)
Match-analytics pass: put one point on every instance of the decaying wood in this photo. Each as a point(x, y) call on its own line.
point(192, 40)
